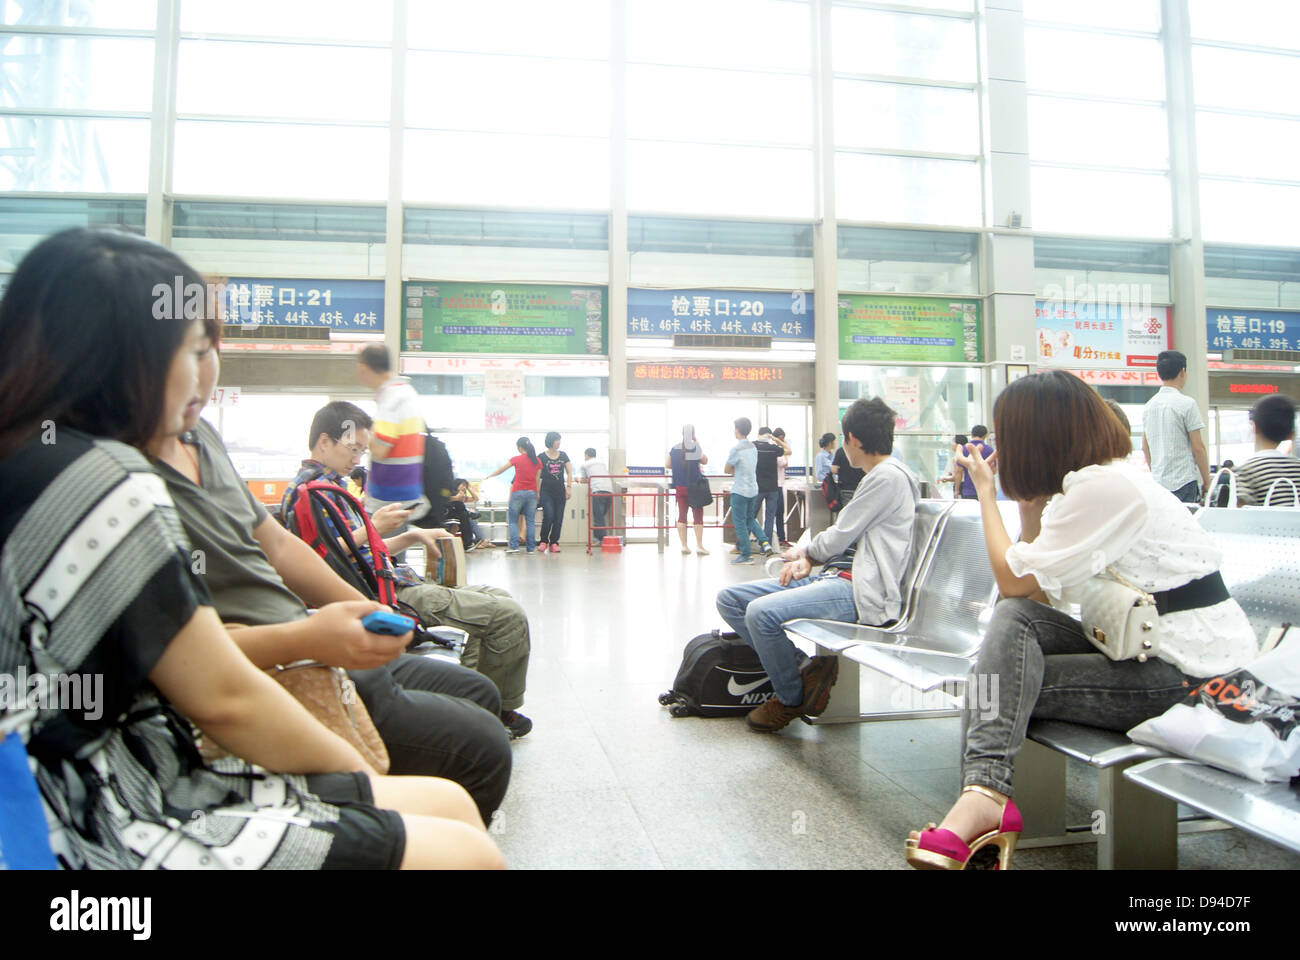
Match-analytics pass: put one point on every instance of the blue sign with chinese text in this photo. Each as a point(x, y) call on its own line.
point(353, 305)
point(659, 314)
point(1233, 329)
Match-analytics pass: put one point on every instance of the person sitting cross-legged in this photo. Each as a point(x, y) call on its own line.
point(863, 558)
point(499, 642)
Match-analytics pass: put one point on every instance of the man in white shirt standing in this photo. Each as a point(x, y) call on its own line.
point(1173, 433)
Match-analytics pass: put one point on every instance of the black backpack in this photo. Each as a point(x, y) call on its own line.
point(720, 676)
point(439, 481)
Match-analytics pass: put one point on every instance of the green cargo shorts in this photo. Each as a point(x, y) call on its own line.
point(499, 644)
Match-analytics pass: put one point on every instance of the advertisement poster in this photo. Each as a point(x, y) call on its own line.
point(884, 329)
point(1101, 336)
point(903, 394)
point(504, 318)
point(503, 395)
point(659, 314)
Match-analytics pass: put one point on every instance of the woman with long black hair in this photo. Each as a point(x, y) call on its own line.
point(523, 493)
point(104, 341)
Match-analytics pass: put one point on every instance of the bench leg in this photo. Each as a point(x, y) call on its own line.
point(1140, 829)
point(1040, 790)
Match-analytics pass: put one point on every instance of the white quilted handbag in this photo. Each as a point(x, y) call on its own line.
point(1119, 619)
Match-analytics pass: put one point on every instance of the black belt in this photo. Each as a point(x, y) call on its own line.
point(1205, 592)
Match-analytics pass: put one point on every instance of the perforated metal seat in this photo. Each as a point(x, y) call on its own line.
point(950, 606)
point(1260, 565)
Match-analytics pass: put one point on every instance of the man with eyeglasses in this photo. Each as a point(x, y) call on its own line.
point(499, 641)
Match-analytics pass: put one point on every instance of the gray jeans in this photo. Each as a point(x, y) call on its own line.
point(1036, 662)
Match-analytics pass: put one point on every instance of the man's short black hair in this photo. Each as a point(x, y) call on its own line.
point(589, 452)
point(335, 418)
point(764, 430)
point(458, 482)
point(979, 431)
point(375, 356)
point(872, 423)
point(1170, 363)
point(743, 426)
point(1274, 417)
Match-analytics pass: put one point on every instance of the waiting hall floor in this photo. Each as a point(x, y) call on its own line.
point(607, 779)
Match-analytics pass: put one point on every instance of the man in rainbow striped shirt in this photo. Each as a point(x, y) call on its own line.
point(397, 445)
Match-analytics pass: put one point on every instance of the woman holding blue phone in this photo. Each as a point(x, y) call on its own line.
point(523, 493)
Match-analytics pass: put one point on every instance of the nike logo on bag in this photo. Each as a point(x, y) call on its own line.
point(740, 689)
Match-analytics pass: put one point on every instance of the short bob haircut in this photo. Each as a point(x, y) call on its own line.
point(88, 343)
point(1049, 424)
point(871, 422)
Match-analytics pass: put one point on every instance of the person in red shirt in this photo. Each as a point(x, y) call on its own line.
point(523, 493)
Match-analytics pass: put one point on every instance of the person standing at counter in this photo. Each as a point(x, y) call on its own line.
point(684, 462)
point(822, 465)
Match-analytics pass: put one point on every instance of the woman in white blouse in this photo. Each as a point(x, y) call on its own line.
point(1063, 455)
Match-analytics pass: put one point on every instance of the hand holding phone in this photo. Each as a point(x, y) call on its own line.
point(390, 624)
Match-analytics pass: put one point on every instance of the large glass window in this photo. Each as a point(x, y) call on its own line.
point(670, 251)
point(280, 160)
point(101, 14)
point(508, 105)
point(1107, 270)
point(719, 108)
point(76, 73)
point(907, 261)
point(1252, 277)
point(25, 221)
point(290, 19)
point(247, 239)
point(906, 116)
point(1098, 135)
point(1247, 119)
point(292, 81)
point(72, 155)
point(506, 246)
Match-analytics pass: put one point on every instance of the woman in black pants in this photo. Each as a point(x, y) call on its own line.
point(557, 476)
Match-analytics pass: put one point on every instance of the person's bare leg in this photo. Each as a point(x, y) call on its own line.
point(681, 533)
point(436, 844)
point(427, 797)
point(699, 537)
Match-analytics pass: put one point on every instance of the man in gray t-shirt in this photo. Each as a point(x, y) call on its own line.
point(1172, 433)
point(864, 555)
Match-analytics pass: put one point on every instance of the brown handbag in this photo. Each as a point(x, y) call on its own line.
point(330, 696)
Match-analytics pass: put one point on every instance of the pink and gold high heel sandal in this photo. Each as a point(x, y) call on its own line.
point(943, 850)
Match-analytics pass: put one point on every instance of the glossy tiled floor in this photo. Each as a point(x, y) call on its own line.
point(608, 780)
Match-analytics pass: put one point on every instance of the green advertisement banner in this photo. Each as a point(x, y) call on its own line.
point(885, 329)
point(505, 318)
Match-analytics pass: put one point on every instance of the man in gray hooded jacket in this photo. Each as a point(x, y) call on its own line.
point(863, 558)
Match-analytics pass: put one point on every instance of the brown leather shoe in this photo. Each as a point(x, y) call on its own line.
point(771, 715)
point(818, 678)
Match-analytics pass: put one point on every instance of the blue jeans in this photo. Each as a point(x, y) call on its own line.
point(756, 610)
point(525, 502)
point(772, 512)
point(742, 518)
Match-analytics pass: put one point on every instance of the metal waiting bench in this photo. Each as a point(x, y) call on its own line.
point(1138, 787)
point(936, 641)
point(948, 596)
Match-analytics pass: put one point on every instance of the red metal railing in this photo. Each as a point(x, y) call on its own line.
point(594, 533)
